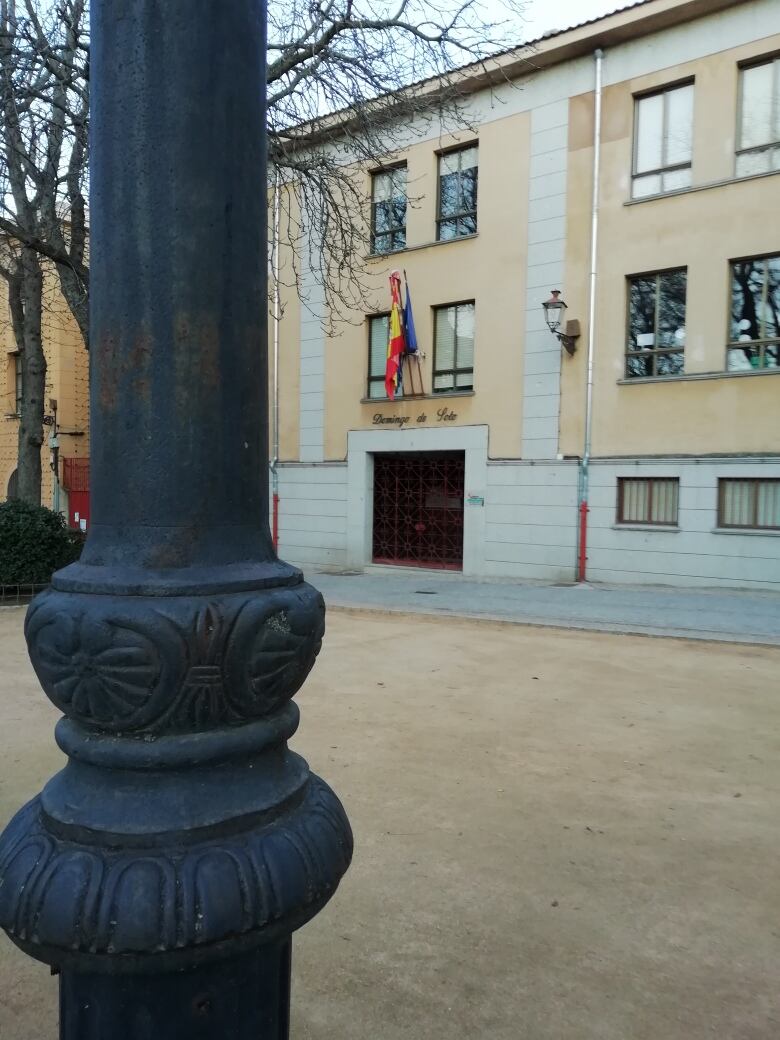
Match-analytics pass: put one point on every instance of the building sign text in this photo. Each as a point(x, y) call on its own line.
point(443, 415)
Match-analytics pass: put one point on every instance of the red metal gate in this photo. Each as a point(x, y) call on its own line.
point(418, 509)
point(75, 480)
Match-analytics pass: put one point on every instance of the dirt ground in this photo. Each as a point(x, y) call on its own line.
point(559, 835)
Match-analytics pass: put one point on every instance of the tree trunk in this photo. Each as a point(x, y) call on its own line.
point(76, 296)
point(33, 363)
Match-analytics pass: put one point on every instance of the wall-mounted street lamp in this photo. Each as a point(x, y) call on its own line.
point(554, 314)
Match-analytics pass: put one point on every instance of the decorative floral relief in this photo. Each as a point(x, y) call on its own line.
point(133, 666)
point(95, 669)
point(202, 697)
point(270, 656)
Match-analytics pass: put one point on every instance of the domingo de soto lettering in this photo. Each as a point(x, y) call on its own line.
point(443, 415)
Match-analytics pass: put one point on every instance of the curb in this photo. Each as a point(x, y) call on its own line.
point(566, 626)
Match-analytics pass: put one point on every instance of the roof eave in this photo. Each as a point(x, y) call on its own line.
point(609, 31)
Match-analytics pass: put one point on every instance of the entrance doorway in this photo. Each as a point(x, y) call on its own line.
point(418, 509)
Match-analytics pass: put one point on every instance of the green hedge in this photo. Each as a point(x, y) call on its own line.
point(34, 543)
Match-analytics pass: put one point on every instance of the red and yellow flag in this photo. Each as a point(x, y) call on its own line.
point(395, 344)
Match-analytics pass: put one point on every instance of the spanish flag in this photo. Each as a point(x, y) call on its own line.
point(395, 344)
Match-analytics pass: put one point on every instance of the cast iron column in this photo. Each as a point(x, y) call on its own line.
point(165, 868)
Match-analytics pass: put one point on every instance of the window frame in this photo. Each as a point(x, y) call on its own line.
point(393, 230)
point(743, 67)
point(758, 344)
point(455, 371)
point(644, 95)
point(441, 154)
point(755, 482)
point(653, 352)
point(16, 381)
point(370, 379)
point(649, 481)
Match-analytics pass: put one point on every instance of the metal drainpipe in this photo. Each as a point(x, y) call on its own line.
point(277, 317)
point(582, 548)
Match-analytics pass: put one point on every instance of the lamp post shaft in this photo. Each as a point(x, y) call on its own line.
point(243, 999)
point(163, 870)
point(178, 311)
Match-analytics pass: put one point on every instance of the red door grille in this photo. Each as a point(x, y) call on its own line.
point(75, 480)
point(75, 474)
point(418, 509)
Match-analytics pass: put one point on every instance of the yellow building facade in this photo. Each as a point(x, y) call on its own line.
point(67, 387)
point(649, 455)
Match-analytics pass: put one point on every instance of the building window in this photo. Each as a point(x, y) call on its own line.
point(758, 136)
point(388, 210)
point(15, 371)
point(648, 500)
point(656, 324)
point(453, 357)
point(378, 335)
point(458, 193)
point(754, 334)
point(754, 504)
point(663, 141)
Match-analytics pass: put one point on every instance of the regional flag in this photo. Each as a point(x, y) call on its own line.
point(395, 345)
point(409, 330)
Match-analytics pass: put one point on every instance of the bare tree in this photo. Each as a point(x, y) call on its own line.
point(348, 80)
point(43, 127)
point(343, 76)
point(24, 278)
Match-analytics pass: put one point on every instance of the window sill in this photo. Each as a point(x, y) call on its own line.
point(655, 528)
point(390, 252)
point(750, 531)
point(423, 245)
point(693, 377)
point(419, 397)
point(701, 187)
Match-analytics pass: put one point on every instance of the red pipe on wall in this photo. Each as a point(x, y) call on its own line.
point(583, 560)
point(275, 524)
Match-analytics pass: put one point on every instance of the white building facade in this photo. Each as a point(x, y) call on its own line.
point(665, 422)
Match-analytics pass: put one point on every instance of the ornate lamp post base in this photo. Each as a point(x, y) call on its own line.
point(162, 872)
point(164, 869)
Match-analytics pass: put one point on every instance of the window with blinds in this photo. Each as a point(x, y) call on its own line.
point(758, 137)
point(378, 335)
point(749, 503)
point(648, 500)
point(663, 141)
point(453, 349)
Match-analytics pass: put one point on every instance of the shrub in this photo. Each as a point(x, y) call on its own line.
point(34, 543)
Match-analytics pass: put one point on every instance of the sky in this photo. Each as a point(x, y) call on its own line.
point(543, 15)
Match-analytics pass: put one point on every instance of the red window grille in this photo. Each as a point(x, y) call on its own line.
point(75, 474)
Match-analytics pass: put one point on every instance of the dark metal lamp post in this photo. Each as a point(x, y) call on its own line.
point(164, 869)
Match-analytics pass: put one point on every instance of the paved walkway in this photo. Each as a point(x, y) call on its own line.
point(729, 616)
